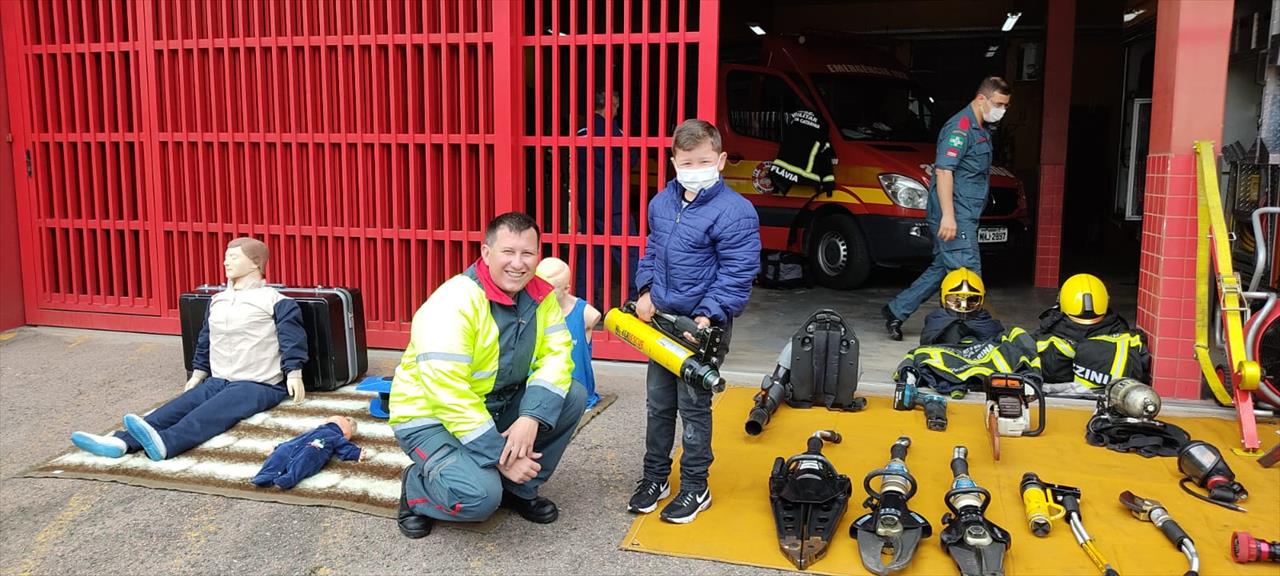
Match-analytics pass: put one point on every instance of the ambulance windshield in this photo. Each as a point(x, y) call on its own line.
point(877, 109)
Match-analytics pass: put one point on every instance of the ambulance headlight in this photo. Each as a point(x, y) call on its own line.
point(904, 191)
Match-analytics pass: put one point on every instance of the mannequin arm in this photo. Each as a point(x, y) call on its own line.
point(200, 360)
point(590, 317)
point(291, 334)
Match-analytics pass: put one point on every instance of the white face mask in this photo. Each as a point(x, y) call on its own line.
point(698, 179)
point(993, 115)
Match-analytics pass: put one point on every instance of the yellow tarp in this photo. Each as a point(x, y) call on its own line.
point(738, 528)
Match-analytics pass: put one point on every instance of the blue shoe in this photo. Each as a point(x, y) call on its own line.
point(146, 436)
point(105, 446)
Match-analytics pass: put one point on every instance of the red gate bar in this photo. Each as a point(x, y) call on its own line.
point(574, 49)
point(362, 140)
point(368, 142)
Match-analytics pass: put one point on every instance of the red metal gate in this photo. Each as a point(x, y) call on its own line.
point(658, 59)
point(367, 142)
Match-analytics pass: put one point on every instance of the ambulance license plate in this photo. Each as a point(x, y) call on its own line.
point(993, 235)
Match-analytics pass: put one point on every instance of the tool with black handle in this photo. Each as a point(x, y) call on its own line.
point(1153, 512)
point(906, 396)
point(1069, 498)
point(1009, 408)
point(697, 364)
point(808, 497)
point(976, 544)
point(890, 528)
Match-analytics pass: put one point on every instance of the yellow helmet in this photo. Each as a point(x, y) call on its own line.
point(1083, 298)
point(962, 291)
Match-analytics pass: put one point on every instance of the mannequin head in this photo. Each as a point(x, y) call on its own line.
point(556, 272)
point(347, 425)
point(245, 261)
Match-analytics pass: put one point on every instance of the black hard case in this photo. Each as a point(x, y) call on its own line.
point(332, 317)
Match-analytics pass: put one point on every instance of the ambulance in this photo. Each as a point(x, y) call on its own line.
point(883, 127)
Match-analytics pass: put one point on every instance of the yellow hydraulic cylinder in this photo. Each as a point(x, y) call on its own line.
point(663, 349)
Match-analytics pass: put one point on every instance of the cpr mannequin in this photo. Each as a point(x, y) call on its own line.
point(580, 317)
point(248, 357)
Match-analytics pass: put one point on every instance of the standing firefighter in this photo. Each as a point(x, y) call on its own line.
point(957, 195)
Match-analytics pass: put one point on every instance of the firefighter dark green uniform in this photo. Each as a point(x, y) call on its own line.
point(964, 147)
point(1089, 355)
point(1083, 345)
point(959, 367)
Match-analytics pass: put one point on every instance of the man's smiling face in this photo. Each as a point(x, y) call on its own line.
point(511, 258)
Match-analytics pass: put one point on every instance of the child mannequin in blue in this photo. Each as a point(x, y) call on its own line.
point(294, 461)
point(580, 317)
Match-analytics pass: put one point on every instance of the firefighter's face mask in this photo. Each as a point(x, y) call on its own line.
point(963, 303)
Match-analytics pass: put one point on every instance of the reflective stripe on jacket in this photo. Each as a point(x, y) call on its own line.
point(454, 360)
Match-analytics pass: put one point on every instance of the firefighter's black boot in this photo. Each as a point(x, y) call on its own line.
point(892, 323)
point(411, 525)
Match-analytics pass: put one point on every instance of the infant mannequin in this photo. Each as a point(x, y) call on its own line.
point(293, 461)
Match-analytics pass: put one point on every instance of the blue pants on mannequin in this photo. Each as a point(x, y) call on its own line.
point(207, 410)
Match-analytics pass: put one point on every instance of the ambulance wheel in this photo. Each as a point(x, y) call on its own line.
point(838, 256)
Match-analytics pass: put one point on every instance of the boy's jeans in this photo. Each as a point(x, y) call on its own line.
point(667, 396)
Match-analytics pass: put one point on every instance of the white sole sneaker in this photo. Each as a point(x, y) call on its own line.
point(689, 518)
point(666, 491)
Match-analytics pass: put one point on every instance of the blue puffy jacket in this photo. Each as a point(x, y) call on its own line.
point(700, 259)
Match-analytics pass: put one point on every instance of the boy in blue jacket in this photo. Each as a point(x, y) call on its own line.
point(293, 461)
point(702, 253)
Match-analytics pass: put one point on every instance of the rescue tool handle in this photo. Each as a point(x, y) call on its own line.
point(1040, 400)
point(1068, 498)
point(899, 449)
point(959, 466)
point(683, 323)
point(1174, 533)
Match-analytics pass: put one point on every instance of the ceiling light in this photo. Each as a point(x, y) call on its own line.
point(1130, 15)
point(1010, 19)
point(756, 29)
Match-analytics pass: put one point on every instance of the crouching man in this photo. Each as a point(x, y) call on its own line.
point(483, 400)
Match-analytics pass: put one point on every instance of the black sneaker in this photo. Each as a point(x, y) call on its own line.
point(647, 495)
point(892, 323)
point(686, 506)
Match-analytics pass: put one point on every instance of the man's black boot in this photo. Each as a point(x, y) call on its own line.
point(892, 323)
point(411, 525)
point(537, 509)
